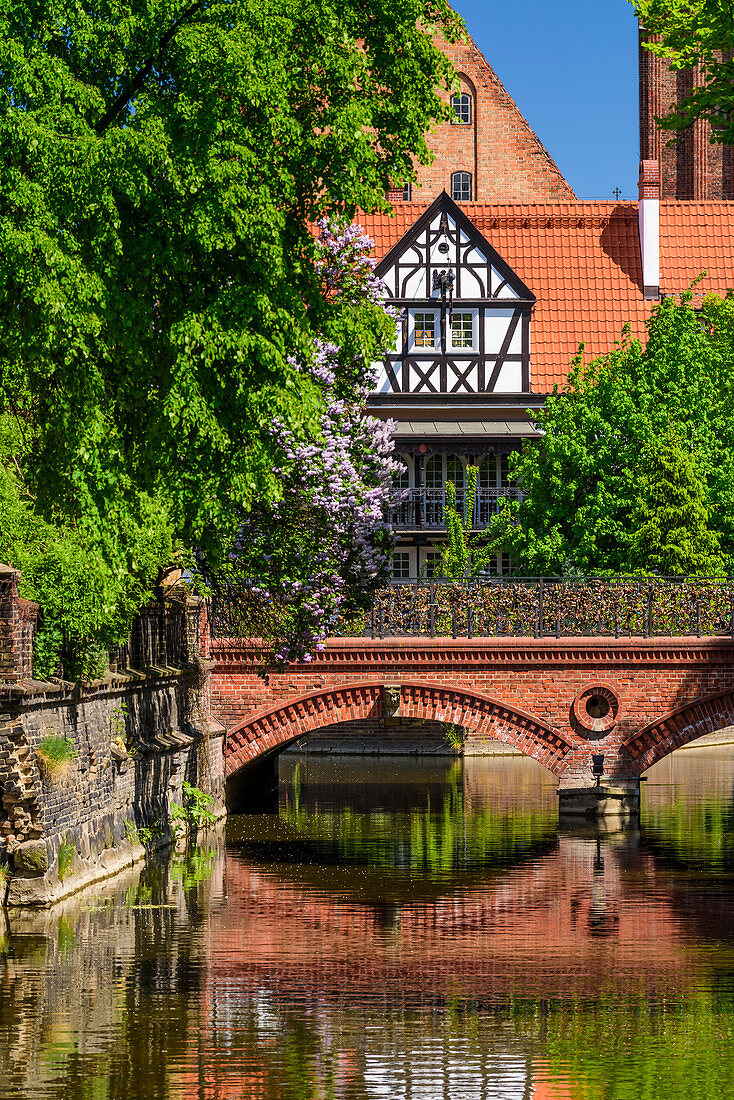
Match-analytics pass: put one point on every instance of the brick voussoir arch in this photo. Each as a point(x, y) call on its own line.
point(274, 727)
point(677, 728)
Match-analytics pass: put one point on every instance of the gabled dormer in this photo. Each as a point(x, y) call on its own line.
point(466, 314)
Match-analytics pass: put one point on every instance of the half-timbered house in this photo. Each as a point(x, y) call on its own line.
point(496, 300)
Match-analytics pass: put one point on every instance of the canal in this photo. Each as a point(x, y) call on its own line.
point(400, 929)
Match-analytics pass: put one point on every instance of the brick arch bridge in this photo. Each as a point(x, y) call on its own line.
point(666, 693)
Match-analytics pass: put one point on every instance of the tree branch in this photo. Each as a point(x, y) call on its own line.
point(143, 73)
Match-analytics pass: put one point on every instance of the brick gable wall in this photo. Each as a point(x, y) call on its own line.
point(505, 157)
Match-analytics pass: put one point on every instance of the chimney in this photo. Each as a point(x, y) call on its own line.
point(649, 223)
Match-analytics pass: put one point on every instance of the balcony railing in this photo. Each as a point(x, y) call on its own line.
point(426, 508)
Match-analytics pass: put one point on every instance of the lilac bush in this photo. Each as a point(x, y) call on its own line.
point(319, 554)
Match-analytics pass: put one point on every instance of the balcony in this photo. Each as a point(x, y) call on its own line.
point(425, 509)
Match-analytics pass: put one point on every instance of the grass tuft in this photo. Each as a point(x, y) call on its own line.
point(55, 756)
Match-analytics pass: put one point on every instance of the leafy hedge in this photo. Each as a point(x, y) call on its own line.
point(88, 586)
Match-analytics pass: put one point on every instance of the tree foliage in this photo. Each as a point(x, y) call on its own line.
point(670, 519)
point(318, 553)
point(582, 481)
point(88, 591)
point(689, 33)
point(463, 554)
point(162, 293)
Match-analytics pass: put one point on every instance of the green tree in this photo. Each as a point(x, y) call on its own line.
point(87, 597)
point(463, 554)
point(689, 33)
point(580, 481)
point(161, 166)
point(670, 519)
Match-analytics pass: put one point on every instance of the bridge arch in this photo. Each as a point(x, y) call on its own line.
point(678, 728)
point(274, 728)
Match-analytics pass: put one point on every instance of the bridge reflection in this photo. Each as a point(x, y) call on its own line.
point(558, 967)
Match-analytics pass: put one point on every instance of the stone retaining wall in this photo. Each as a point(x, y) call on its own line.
point(135, 737)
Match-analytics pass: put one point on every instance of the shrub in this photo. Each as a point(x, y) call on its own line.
point(55, 755)
point(195, 811)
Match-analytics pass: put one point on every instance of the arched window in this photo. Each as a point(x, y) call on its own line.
point(494, 472)
point(488, 473)
point(461, 104)
point(455, 471)
point(402, 480)
point(434, 472)
point(461, 186)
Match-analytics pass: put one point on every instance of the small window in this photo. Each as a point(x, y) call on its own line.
point(461, 187)
point(401, 565)
point(424, 330)
point(433, 564)
point(455, 471)
point(399, 192)
point(462, 109)
point(434, 472)
point(462, 330)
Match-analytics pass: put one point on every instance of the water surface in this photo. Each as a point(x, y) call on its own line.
point(396, 929)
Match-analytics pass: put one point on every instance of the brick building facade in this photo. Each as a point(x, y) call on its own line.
point(692, 168)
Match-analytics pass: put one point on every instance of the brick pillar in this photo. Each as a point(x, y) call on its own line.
point(9, 624)
point(701, 147)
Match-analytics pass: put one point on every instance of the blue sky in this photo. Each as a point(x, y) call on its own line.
point(571, 67)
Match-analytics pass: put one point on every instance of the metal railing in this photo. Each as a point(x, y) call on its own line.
point(420, 509)
point(546, 607)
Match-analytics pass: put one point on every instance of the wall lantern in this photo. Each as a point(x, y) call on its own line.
point(597, 766)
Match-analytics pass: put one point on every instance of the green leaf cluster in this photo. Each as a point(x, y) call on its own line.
point(88, 587)
point(160, 164)
point(463, 554)
point(194, 811)
point(635, 468)
point(670, 521)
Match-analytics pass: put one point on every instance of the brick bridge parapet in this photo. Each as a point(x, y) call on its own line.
point(651, 695)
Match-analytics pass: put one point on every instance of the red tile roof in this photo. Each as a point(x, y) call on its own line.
point(696, 237)
point(582, 262)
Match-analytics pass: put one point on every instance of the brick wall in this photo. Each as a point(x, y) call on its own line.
point(506, 159)
point(692, 168)
point(17, 627)
point(517, 691)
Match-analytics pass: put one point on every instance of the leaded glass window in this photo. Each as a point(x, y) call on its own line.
point(462, 330)
point(424, 330)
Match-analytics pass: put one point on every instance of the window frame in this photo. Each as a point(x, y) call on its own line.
point(405, 557)
point(457, 119)
point(431, 554)
point(473, 314)
point(425, 348)
point(468, 175)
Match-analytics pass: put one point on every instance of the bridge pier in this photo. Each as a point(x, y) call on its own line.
point(612, 798)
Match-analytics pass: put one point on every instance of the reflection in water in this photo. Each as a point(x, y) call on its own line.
point(396, 930)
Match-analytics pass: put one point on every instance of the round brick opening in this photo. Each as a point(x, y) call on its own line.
point(597, 706)
point(595, 709)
